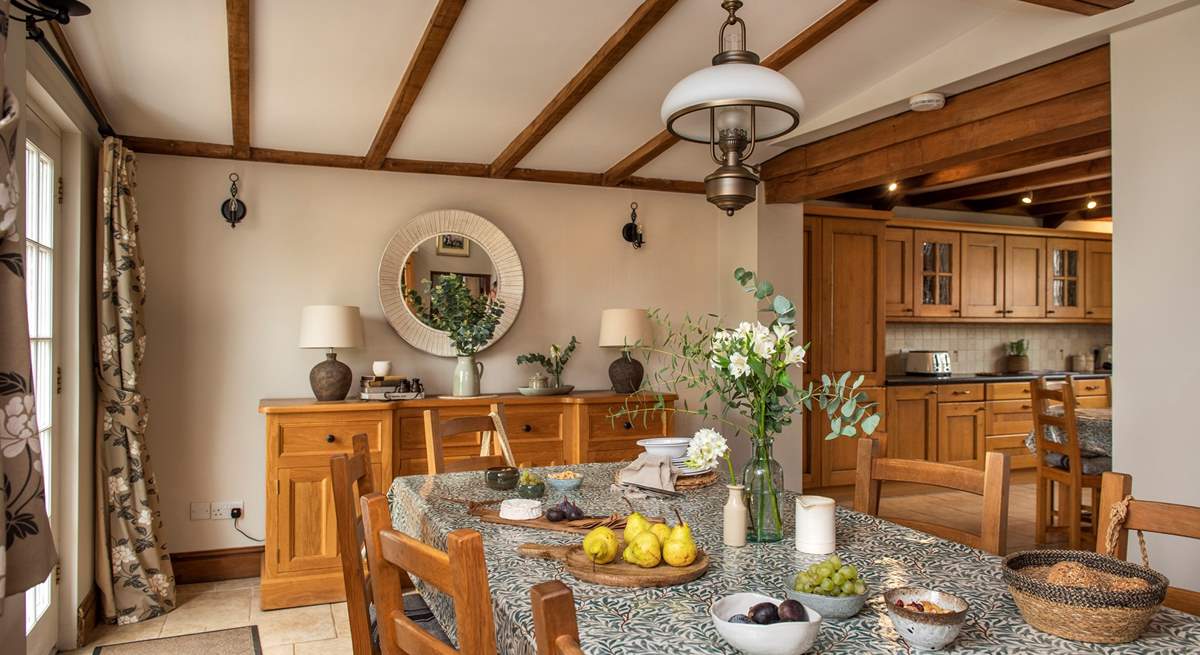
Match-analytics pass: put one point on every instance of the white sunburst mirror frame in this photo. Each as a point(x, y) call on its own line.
point(484, 234)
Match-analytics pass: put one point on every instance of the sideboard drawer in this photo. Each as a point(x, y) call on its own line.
point(614, 439)
point(302, 438)
point(535, 434)
point(1091, 387)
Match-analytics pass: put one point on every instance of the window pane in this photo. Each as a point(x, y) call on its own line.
point(1072, 293)
point(927, 260)
point(46, 202)
point(1073, 263)
point(1057, 293)
point(944, 258)
point(1056, 262)
point(928, 283)
point(944, 282)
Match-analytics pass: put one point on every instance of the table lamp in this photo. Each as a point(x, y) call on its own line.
point(329, 327)
point(625, 328)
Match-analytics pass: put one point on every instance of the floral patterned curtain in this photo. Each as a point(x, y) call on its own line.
point(133, 568)
point(27, 552)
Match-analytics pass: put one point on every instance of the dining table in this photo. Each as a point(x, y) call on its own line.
point(676, 619)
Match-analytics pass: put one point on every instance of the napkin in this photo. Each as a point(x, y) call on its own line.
point(648, 470)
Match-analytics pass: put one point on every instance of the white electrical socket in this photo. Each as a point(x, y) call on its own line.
point(224, 510)
point(201, 511)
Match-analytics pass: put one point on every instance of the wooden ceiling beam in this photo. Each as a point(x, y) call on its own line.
point(1084, 7)
point(846, 11)
point(1054, 80)
point(437, 32)
point(637, 26)
point(152, 146)
point(1063, 206)
point(237, 19)
point(1047, 194)
point(1091, 144)
point(1079, 171)
point(68, 54)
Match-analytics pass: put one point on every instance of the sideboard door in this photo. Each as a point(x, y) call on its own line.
point(307, 525)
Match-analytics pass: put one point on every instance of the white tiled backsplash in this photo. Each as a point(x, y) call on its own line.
point(982, 348)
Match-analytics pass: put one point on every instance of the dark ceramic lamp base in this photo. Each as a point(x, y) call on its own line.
point(330, 379)
point(625, 373)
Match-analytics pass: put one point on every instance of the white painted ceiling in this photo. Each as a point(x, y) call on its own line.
point(322, 73)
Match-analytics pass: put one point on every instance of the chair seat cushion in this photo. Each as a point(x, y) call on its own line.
point(1091, 465)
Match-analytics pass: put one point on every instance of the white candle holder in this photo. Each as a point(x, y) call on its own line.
point(815, 525)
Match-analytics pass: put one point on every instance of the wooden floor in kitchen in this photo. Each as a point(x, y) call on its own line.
point(324, 629)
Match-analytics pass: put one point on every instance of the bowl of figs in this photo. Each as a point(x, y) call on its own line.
point(760, 625)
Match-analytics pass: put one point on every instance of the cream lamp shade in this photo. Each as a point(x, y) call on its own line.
point(620, 328)
point(330, 326)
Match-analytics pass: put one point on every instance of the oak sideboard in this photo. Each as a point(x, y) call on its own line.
point(300, 560)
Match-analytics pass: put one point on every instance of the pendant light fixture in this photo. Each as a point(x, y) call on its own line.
point(731, 105)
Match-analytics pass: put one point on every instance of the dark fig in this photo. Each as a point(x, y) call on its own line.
point(554, 515)
point(790, 610)
point(764, 613)
point(739, 618)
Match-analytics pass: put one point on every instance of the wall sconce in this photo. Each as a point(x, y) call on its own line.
point(631, 231)
point(232, 209)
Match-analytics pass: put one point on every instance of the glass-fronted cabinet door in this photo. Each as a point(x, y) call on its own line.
point(1064, 278)
point(936, 274)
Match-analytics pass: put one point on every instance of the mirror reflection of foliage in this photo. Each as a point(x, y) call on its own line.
point(470, 321)
point(555, 362)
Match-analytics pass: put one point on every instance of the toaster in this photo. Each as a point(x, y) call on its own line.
point(928, 362)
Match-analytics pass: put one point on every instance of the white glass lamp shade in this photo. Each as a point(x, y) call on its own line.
point(779, 102)
point(625, 327)
point(330, 326)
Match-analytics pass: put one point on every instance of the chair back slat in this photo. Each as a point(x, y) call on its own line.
point(991, 483)
point(352, 477)
point(460, 571)
point(554, 625)
point(494, 436)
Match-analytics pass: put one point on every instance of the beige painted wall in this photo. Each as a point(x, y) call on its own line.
point(223, 304)
point(1156, 159)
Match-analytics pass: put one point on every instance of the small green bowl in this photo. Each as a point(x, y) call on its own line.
point(500, 478)
point(535, 490)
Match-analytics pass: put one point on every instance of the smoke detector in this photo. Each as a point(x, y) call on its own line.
point(927, 102)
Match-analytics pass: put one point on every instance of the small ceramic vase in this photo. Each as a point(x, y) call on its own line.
point(466, 376)
point(735, 516)
point(381, 368)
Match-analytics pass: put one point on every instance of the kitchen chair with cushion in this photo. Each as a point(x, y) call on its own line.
point(1120, 513)
point(554, 625)
point(991, 483)
point(459, 572)
point(491, 427)
point(1061, 464)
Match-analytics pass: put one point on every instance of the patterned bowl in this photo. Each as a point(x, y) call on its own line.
point(830, 607)
point(783, 638)
point(569, 484)
point(926, 630)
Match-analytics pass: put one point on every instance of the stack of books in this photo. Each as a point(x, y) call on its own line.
point(390, 387)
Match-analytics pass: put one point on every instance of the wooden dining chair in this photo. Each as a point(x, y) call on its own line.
point(1070, 478)
point(1120, 513)
point(352, 477)
point(991, 483)
point(494, 436)
point(459, 572)
point(554, 625)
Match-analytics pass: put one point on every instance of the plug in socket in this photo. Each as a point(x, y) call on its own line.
point(223, 510)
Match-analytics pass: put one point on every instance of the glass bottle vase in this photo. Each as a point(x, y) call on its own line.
point(763, 479)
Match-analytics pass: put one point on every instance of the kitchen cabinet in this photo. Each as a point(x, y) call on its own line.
point(1097, 293)
point(912, 420)
point(960, 433)
point(1064, 278)
point(936, 280)
point(898, 271)
point(1024, 277)
point(982, 275)
point(851, 312)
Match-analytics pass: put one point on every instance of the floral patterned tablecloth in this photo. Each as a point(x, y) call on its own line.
point(675, 619)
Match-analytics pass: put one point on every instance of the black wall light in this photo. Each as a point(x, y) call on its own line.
point(631, 231)
point(232, 209)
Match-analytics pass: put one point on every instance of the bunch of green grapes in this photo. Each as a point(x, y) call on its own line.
point(830, 578)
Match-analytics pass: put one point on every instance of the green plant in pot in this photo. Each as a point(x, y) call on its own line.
point(554, 363)
point(746, 371)
point(1018, 356)
point(468, 320)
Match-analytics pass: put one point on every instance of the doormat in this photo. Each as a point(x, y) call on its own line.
point(234, 641)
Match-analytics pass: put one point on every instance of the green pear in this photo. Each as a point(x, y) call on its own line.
point(635, 524)
point(680, 548)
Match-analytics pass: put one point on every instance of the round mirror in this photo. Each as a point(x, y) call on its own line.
point(440, 245)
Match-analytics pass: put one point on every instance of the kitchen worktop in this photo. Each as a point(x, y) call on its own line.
point(974, 378)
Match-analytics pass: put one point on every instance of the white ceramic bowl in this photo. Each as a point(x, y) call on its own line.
point(927, 631)
point(783, 638)
point(669, 446)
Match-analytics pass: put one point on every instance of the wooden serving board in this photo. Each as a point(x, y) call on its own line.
point(617, 573)
point(580, 526)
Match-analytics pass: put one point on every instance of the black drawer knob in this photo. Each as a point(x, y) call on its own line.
point(527, 428)
point(628, 425)
point(329, 438)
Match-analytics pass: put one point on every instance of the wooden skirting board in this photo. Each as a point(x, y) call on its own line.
point(216, 565)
